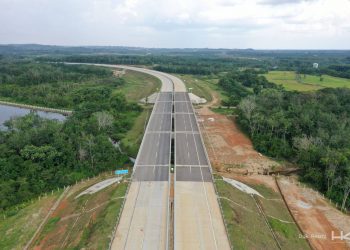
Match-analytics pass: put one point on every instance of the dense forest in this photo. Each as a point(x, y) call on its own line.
point(51, 85)
point(39, 155)
point(310, 129)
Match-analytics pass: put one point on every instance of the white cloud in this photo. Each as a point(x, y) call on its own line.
point(181, 23)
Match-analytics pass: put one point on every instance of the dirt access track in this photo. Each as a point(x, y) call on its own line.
point(232, 155)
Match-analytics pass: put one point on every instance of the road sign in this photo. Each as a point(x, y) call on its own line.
point(122, 171)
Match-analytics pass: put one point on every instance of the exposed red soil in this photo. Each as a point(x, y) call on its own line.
point(231, 154)
point(228, 148)
point(310, 211)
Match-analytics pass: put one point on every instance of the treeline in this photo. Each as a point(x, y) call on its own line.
point(310, 129)
point(239, 84)
point(194, 70)
point(26, 72)
point(52, 85)
point(194, 64)
point(342, 71)
point(338, 67)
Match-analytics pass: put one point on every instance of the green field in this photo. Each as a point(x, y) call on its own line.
point(247, 228)
point(307, 82)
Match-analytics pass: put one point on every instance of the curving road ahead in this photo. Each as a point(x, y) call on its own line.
point(145, 220)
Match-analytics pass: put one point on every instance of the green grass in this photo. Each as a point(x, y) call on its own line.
point(50, 225)
point(307, 82)
point(282, 228)
point(138, 85)
point(223, 111)
point(203, 86)
point(247, 229)
point(16, 230)
point(101, 228)
point(132, 139)
point(86, 222)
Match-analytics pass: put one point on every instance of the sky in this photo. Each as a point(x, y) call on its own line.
point(258, 24)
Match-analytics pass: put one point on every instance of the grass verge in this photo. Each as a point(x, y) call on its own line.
point(18, 228)
point(247, 228)
point(138, 85)
point(86, 222)
point(203, 86)
point(132, 139)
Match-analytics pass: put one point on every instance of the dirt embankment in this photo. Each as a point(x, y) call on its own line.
point(232, 155)
point(228, 148)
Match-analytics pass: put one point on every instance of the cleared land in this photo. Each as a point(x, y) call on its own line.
point(85, 222)
point(316, 217)
point(289, 80)
point(18, 226)
point(232, 155)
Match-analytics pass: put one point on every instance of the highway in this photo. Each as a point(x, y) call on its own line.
point(145, 219)
point(198, 223)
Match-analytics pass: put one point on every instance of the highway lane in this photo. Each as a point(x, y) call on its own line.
point(198, 222)
point(170, 83)
point(144, 220)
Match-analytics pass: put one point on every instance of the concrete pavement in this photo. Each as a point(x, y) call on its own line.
point(144, 223)
point(198, 222)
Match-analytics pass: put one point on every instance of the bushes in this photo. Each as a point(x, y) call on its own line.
point(311, 129)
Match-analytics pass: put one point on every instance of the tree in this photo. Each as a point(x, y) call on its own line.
point(346, 190)
point(104, 120)
point(247, 106)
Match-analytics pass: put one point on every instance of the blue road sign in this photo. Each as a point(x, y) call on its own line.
point(122, 171)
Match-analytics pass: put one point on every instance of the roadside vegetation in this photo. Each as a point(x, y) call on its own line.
point(311, 129)
point(84, 222)
point(18, 225)
point(246, 224)
point(137, 85)
point(39, 155)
